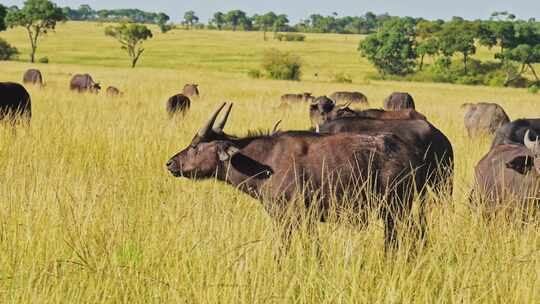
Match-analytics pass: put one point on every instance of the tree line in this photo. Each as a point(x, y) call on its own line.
point(402, 45)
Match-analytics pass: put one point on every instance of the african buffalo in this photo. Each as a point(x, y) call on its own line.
point(417, 131)
point(113, 92)
point(15, 102)
point(509, 175)
point(349, 97)
point(484, 118)
point(398, 101)
point(292, 98)
point(34, 77)
point(178, 103)
point(514, 132)
point(191, 90)
point(323, 110)
point(281, 168)
point(84, 83)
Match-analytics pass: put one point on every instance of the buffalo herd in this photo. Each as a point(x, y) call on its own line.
point(349, 159)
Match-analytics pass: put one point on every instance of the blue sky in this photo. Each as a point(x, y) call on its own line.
point(297, 9)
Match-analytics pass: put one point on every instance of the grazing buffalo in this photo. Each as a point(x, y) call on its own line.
point(323, 110)
point(293, 98)
point(113, 92)
point(179, 103)
point(34, 77)
point(191, 90)
point(398, 101)
point(417, 131)
point(15, 102)
point(509, 175)
point(349, 97)
point(484, 118)
point(313, 168)
point(84, 83)
point(514, 132)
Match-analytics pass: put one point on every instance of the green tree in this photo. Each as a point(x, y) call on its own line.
point(527, 56)
point(3, 12)
point(391, 50)
point(190, 18)
point(219, 20)
point(161, 21)
point(236, 18)
point(38, 17)
point(428, 47)
point(131, 36)
point(280, 22)
point(264, 22)
point(458, 36)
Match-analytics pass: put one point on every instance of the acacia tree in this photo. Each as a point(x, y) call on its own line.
point(161, 21)
point(219, 20)
point(131, 36)
point(279, 23)
point(264, 22)
point(190, 18)
point(38, 17)
point(457, 36)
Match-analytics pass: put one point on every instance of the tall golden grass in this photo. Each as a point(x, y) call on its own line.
point(88, 212)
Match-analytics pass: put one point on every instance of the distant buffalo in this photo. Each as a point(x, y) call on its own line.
point(484, 118)
point(34, 77)
point(509, 175)
point(113, 92)
point(84, 83)
point(514, 132)
point(293, 98)
point(179, 103)
point(15, 102)
point(191, 90)
point(323, 110)
point(349, 97)
point(398, 101)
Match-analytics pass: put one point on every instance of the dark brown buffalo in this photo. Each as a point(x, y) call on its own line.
point(435, 146)
point(279, 169)
point(484, 118)
point(509, 176)
point(15, 102)
point(191, 90)
point(113, 92)
point(349, 97)
point(399, 101)
point(323, 110)
point(514, 132)
point(293, 98)
point(34, 77)
point(179, 103)
point(84, 83)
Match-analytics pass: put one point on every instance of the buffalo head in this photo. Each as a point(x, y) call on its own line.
point(206, 152)
point(324, 109)
point(524, 164)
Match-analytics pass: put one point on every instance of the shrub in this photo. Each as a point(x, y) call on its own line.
point(254, 73)
point(281, 65)
point(44, 60)
point(7, 51)
point(342, 78)
point(290, 37)
point(533, 89)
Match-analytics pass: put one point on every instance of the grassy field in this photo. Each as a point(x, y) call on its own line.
point(89, 214)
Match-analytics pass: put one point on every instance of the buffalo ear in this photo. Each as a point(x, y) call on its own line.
point(521, 164)
point(226, 151)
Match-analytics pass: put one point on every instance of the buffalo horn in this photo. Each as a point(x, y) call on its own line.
point(203, 132)
point(219, 126)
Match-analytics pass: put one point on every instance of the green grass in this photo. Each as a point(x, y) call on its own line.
point(89, 214)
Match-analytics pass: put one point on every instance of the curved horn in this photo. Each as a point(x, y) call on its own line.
point(534, 146)
point(275, 129)
point(204, 130)
point(219, 126)
point(344, 105)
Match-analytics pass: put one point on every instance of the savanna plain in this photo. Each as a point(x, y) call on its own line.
point(89, 213)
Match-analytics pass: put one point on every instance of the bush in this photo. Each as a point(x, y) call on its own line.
point(44, 60)
point(533, 89)
point(254, 73)
point(342, 78)
point(7, 52)
point(290, 37)
point(281, 65)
